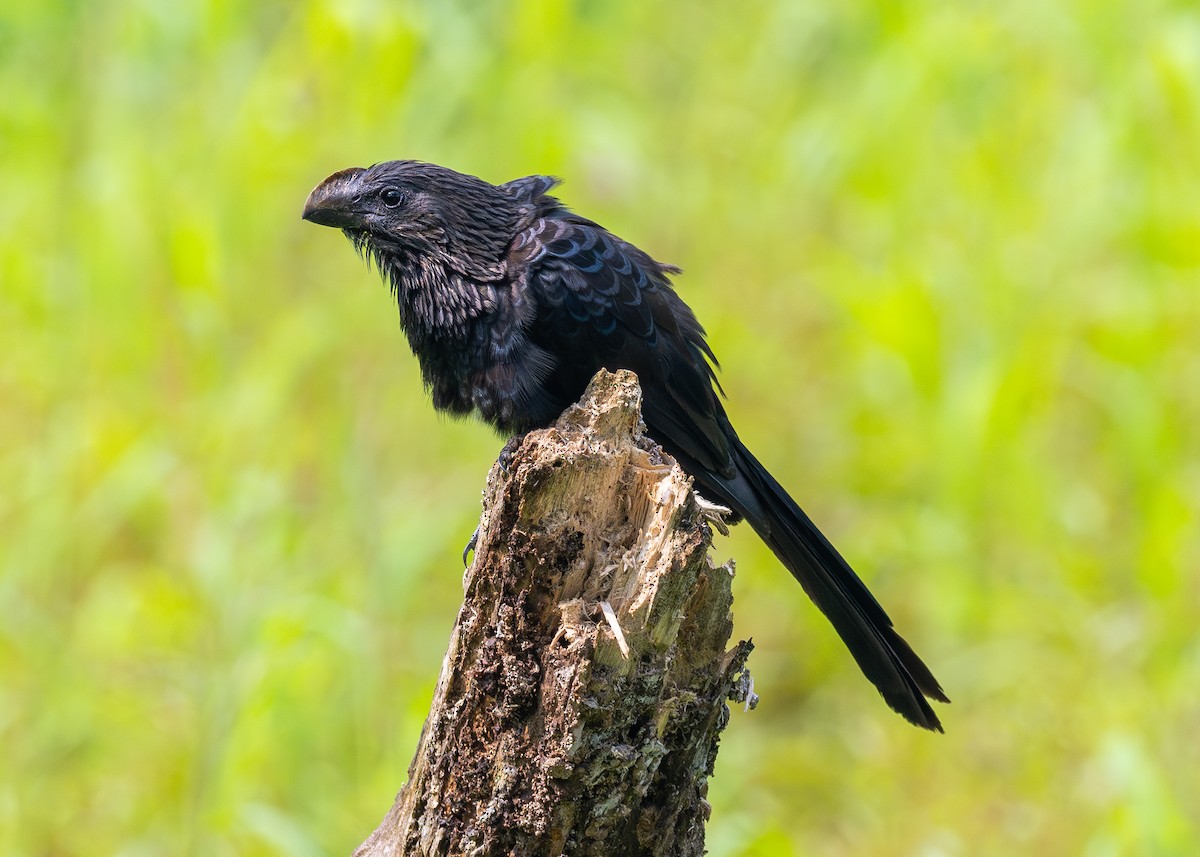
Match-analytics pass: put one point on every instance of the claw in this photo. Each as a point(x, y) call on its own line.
point(471, 543)
point(510, 449)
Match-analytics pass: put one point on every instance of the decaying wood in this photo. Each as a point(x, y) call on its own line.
point(584, 689)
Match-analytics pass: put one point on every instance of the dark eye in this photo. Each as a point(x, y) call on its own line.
point(391, 197)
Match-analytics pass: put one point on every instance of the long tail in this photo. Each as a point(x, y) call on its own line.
point(891, 665)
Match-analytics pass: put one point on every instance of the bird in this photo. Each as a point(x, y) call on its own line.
point(511, 302)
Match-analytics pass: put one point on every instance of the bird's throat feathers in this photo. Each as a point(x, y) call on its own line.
point(437, 303)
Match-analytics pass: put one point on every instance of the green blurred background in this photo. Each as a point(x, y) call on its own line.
point(947, 253)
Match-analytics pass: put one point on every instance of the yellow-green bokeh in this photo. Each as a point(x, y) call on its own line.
point(948, 254)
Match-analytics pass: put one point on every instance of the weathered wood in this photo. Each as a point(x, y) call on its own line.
point(582, 696)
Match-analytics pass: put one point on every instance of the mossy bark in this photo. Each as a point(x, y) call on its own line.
point(585, 686)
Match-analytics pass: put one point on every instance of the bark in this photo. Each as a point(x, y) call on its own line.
point(581, 699)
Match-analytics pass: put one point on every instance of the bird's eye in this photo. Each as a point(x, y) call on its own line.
point(391, 197)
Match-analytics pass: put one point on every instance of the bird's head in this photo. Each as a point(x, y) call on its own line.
point(418, 210)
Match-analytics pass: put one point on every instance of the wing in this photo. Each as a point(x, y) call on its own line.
point(602, 303)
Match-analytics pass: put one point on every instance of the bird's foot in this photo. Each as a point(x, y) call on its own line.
point(504, 459)
point(510, 449)
point(714, 513)
point(471, 543)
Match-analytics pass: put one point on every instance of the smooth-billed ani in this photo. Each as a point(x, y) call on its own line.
point(512, 303)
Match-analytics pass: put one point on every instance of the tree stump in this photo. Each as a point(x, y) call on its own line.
point(583, 692)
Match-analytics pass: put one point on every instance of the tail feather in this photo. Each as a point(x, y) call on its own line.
point(884, 657)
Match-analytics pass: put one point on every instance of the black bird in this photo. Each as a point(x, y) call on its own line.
point(512, 303)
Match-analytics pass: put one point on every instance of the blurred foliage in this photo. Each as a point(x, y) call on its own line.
point(948, 254)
